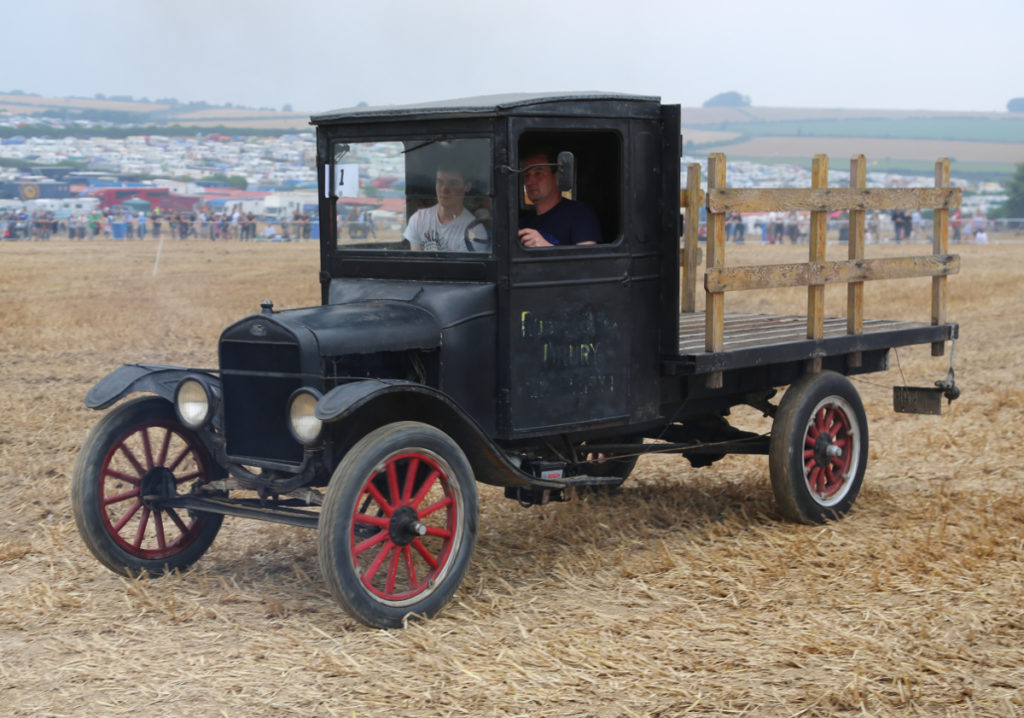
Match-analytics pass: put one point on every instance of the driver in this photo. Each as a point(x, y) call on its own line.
point(555, 220)
point(447, 226)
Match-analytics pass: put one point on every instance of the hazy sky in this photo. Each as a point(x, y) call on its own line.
point(323, 54)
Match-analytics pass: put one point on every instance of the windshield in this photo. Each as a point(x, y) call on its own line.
point(416, 195)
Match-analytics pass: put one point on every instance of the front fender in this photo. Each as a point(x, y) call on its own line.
point(342, 400)
point(159, 379)
point(370, 403)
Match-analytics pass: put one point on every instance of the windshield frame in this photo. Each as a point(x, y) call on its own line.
point(369, 262)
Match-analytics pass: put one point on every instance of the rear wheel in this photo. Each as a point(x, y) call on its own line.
point(398, 524)
point(138, 455)
point(819, 448)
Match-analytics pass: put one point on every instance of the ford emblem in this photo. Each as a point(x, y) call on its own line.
point(259, 329)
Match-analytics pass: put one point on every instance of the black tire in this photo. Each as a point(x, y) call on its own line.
point(819, 448)
point(140, 449)
point(398, 524)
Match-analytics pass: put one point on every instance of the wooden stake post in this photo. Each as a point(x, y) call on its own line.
point(816, 258)
point(940, 246)
point(855, 290)
point(694, 198)
point(714, 312)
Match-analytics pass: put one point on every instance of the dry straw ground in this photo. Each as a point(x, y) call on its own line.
point(683, 594)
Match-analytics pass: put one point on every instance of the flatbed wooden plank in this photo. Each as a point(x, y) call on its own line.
point(758, 339)
point(743, 331)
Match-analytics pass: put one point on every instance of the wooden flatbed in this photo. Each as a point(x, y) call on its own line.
point(751, 340)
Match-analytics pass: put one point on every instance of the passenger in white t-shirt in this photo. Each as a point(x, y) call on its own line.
point(442, 228)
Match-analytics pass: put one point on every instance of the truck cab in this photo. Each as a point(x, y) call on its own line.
point(529, 342)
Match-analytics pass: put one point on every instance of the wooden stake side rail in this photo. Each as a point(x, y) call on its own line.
point(819, 200)
point(768, 276)
point(835, 199)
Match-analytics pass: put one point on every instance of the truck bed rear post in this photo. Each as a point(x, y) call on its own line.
point(714, 313)
point(855, 290)
point(816, 292)
point(940, 246)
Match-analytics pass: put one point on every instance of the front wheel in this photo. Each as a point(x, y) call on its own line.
point(819, 448)
point(398, 524)
point(137, 456)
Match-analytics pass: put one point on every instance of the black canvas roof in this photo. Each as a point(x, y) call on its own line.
point(583, 103)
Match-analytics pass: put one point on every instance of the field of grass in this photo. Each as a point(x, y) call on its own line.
point(982, 145)
point(975, 129)
point(682, 594)
point(902, 154)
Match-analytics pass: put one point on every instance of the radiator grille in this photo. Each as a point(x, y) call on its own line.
point(257, 379)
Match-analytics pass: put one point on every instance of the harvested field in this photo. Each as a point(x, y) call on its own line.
point(683, 594)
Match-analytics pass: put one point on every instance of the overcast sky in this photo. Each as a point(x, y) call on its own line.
point(323, 54)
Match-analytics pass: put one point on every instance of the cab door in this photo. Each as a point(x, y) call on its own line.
point(567, 334)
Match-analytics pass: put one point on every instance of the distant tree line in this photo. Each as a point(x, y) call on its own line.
point(1016, 104)
point(1014, 206)
point(139, 129)
point(728, 99)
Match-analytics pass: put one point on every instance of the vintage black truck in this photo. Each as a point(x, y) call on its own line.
point(429, 368)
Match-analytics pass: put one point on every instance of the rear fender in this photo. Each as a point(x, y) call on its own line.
point(158, 379)
point(359, 407)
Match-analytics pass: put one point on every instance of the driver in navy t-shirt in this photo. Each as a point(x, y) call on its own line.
point(555, 221)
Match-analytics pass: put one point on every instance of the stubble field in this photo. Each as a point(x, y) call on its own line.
point(684, 594)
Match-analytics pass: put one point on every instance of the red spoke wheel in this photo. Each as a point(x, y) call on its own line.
point(398, 524)
point(819, 448)
point(134, 459)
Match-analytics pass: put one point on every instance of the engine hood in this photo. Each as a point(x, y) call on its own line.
point(339, 329)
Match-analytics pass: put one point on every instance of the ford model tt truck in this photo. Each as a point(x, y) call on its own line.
point(372, 416)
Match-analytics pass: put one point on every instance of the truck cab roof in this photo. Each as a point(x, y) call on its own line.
point(562, 103)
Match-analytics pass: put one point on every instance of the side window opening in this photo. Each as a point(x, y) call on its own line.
point(598, 172)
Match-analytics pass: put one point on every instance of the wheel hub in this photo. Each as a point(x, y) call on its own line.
point(405, 526)
point(157, 485)
point(825, 450)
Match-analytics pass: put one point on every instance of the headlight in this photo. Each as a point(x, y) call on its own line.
point(193, 403)
point(301, 418)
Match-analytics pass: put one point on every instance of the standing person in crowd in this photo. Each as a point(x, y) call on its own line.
point(898, 215)
point(956, 221)
point(916, 225)
point(872, 228)
point(203, 228)
point(978, 224)
point(141, 225)
point(792, 227)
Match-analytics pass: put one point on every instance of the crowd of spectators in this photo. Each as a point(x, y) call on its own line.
point(204, 223)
